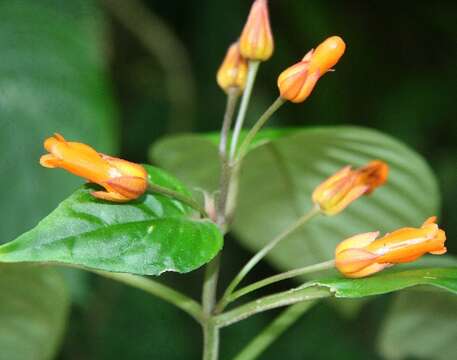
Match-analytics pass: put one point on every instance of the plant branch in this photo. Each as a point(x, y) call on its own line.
point(279, 277)
point(258, 125)
point(159, 290)
point(273, 331)
point(252, 72)
point(289, 297)
point(261, 254)
point(157, 189)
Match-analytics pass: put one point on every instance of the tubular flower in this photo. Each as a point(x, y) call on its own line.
point(256, 41)
point(362, 255)
point(347, 185)
point(123, 181)
point(297, 82)
point(233, 71)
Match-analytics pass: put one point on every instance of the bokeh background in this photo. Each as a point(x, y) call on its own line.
point(121, 74)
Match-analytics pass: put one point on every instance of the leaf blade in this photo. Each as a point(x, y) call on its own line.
point(149, 236)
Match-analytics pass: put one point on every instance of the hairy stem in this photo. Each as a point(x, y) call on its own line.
point(157, 189)
point(261, 254)
point(252, 72)
point(273, 331)
point(159, 290)
point(283, 276)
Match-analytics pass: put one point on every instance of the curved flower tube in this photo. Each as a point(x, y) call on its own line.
point(123, 180)
point(362, 255)
point(347, 185)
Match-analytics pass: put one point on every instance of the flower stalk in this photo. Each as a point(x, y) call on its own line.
point(253, 67)
point(260, 255)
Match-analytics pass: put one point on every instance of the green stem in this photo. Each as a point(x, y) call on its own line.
point(289, 297)
point(226, 169)
point(252, 72)
point(261, 254)
point(157, 189)
point(210, 332)
point(258, 125)
point(211, 341)
point(283, 276)
point(210, 285)
point(232, 99)
point(273, 331)
point(162, 291)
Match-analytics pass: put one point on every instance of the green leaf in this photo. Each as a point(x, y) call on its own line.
point(278, 177)
point(52, 79)
point(391, 280)
point(33, 310)
point(147, 236)
point(420, 325)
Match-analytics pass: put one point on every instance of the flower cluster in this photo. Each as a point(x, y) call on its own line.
point(358, 256)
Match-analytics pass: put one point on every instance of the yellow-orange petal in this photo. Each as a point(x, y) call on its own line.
point(256, 40)
point(352, 260)
point(128, 186)
point(327, 54)
point(374, 174)
point(368, 270)
point(110, 196)
point(357, 241)
point(49, 161)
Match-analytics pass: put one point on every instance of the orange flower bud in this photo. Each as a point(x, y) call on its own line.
point(122, 180)
point(256, 41)
point(347, 185)
point(234, 69)
point(362, 255)
point(297, 82)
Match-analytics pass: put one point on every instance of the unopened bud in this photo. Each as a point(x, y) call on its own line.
point(233, 71)
point(297, 82)
point(256, 41)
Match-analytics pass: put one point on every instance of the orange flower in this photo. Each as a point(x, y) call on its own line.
point(256, 41)
point(122, 180)
point(233, 71)
point(347, 185)
point(362, 255)
point(296, 82)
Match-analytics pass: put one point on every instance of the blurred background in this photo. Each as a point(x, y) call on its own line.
point(121, 74)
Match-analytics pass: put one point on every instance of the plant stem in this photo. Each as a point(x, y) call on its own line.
point(211, 332)
point(162, 291)
point(261, 254)
point(210, 285)
point(258, 125)
point(274, 330)
point(252, 72)
point(283, 276)
point(226, 169)
point(284, 298)
point(211, 341)
point(232, 99)
point(157, 189)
